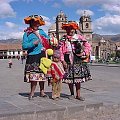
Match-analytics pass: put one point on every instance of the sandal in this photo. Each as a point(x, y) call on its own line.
point(56, 99)
point(30, 98)
point(80, 98)
point(45, 96)
point(71, 97)
point(59, 98)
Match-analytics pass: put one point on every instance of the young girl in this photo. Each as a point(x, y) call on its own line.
point(57, 72)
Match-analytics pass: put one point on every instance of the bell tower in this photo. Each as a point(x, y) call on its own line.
point(60, 19)
point(86, 27)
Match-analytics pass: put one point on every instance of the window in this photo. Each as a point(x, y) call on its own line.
point(18, 52)
point(9, 52)
point(87, 25)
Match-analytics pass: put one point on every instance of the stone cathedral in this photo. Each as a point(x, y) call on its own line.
point(85, 24)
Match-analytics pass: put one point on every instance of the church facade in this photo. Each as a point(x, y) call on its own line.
point(84, 24)
point(101, 49)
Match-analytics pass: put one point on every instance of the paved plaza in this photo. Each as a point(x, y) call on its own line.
point(103, 90)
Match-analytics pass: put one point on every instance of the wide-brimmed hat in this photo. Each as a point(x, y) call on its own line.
point(70, 26)
point(36, 18)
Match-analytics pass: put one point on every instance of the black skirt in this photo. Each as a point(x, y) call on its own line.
point(32, 71)
point(78, 72)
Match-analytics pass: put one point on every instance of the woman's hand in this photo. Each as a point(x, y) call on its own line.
point(64, 64)
point(36, 42)
point(79, 55)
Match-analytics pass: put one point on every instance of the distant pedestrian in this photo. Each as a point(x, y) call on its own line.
point(22, 59)
point(18, 57)
point(10, 62)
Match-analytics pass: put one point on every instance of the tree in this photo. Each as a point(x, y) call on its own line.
point(113, 55)
point(118, 53)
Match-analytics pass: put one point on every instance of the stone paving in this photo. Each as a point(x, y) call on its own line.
point(102, 90)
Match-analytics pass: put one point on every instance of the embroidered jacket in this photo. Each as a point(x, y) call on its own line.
point(28, 42)
point(56, 71)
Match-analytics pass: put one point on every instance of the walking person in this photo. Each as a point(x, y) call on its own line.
point(10, 62)
point(32, 42)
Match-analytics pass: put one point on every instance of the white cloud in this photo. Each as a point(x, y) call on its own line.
point(87, 12)
point(28, 1)
point(81, 2)
point(47, 21)
point(107, 25)
point(11, 25)
point(6, 1)
point(9, 35)
point(113, 8)
point(45, 1)
point(6, 10)
point(54, 18)
point(107, 6)
point(17, 35)
point(89, 2)
point(56, 5)
point(45, 18)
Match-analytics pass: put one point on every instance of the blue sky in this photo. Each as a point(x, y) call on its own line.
point(105, 14)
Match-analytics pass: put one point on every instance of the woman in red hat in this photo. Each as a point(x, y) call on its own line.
point(32, 42)
point(76, 72)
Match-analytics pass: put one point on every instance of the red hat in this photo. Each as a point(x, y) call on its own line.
point(36, 18)
point(70, 26)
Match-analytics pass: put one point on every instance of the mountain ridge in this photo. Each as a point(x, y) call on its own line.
point(97, 37)
point(10, 41)
point(114, 38)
